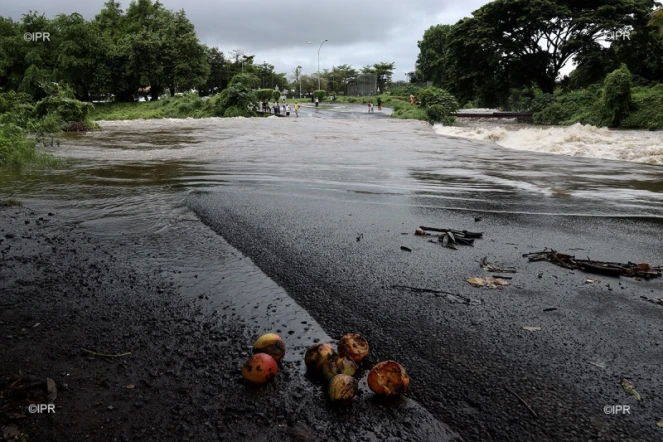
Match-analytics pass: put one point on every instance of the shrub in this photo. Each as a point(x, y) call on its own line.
point(276, 95)
point(264, 94)
point(237, 96)
point(319, 94)
point(553, 114)
point(61, 100)
point(17, 151)
point(541, 102)
point(441, 104)
point(410, 112)
point(433, 95)
point(617, 95)
point(436, 113)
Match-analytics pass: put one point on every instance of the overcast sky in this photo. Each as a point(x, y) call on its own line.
point(360, 32)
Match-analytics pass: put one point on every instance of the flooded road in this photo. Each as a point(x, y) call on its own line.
point(283, 201)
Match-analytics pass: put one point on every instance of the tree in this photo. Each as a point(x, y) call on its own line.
point(640, 51)
point(185, 58)
point(657, 19)
point(340, 76)
point(617, 95)
point(81, 52)
point(384, 72)
point(432, 62)
point(217, 79)
point(509, 43)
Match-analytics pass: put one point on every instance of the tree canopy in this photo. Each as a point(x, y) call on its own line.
point(516, 43)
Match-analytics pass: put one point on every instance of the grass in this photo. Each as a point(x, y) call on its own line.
point(17, 151)
point(10, 202)
point(187, 106)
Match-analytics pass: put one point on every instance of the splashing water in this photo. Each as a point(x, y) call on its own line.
point(577, 140)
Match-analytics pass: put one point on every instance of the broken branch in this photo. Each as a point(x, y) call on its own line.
point(105, 355)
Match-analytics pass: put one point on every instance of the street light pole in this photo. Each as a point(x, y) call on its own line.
point(319, 62)
point(299, 74)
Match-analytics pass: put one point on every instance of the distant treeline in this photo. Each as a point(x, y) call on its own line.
point(144, 50)
point(118, 53)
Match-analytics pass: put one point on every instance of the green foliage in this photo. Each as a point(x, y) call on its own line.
point(276, 95)
point(509, 44)
point(236, 101)
point(646, 110)
point(185, 106)
point(264, 94)
point(586, 106)
point(60, 101)
point(438, 113)
point(438, 105)
point(249, 81)
point(617, 95)
point(433, 95)
point(405, 90)
point(17, 151)
point(16, 109)
point(320, 94)
point(410, 112)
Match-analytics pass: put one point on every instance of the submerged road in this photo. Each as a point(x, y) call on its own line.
point(325, 215)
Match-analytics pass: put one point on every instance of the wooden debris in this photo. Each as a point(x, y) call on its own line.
point(630, 269)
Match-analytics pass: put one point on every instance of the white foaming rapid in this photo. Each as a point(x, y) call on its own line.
point(576, 140)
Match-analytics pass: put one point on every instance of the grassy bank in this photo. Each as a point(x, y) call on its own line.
point(19, 151)
point(25, 123)
point(187, 106)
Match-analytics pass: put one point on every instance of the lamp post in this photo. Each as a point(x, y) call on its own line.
point(299, 75)
point(319, 61)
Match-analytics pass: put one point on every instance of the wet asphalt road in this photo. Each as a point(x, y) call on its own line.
point(472, 363)
point(461, 357)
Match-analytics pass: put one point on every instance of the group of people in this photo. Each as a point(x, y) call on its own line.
point(279, 108)
point(371, 108)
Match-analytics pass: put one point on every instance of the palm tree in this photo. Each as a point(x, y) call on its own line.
point(657, 19)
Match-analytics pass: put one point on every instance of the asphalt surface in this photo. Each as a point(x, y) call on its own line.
point(468, 361)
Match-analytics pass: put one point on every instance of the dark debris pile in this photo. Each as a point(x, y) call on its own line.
point(630, 269)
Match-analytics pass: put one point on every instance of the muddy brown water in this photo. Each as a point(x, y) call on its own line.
point(129, 182)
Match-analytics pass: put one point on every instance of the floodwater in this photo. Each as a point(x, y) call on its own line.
point(129, 182)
